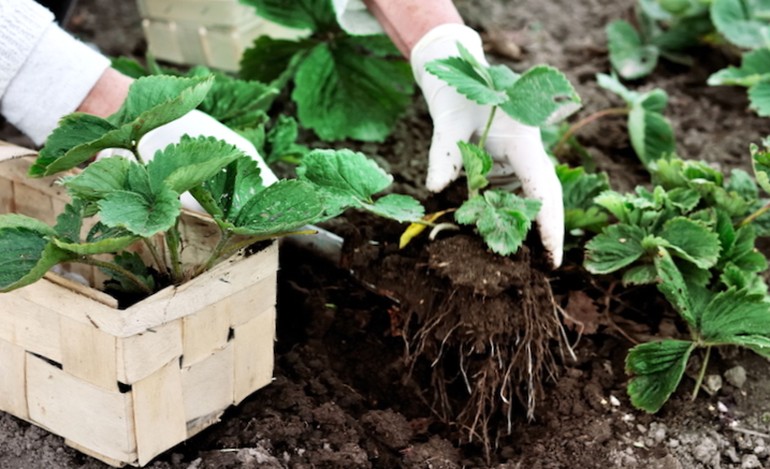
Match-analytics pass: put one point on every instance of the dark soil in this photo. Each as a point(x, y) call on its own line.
point(416, 358)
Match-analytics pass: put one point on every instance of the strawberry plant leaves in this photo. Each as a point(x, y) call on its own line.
point(132, 262)
point(760, 161)
point(629, 56)
point(656, 369)
point(733, 313)
point(70, 222)
point(579, 189)
point(477, 163)
point(742, 252)
point(692, 241)
point(502, 218)
point(755, 68)
point(151, 102)
point(224, 194)
point(142, 213)
point(184, 165)
point(542, 95)
point(282, 207)
point(280, 143)
point(106, 245)
point(271, 60)
point(673, 286)
point(470, 79)
point(652, 136)
point(399, 207)
point(645, 274)
point(614, 248)
point(743, 23)
point(74, 130)
point(759, 97)
point(334, 87)
point(346, 178)
point(26, 253)
point(238, 103)
point(316, 15)
point(99, 178)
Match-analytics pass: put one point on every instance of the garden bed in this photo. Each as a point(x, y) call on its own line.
point(343, 395)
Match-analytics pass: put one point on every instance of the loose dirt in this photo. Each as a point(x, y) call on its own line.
point(351, 389)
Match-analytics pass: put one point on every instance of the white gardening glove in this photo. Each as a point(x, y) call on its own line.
point(516, 149)
point(195, 124)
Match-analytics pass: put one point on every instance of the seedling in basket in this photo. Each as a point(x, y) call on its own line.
point(139, 201)
point(536, 97)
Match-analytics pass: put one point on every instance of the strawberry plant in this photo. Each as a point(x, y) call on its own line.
point(138, 199)
point(536, 97)
point(242, 105)
point(344, 86)
point(753, 74)
point(693, 236)
point(651, 134)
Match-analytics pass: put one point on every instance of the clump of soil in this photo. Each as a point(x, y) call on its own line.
point(484, 328)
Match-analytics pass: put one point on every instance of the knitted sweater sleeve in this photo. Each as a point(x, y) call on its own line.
point(44, 72)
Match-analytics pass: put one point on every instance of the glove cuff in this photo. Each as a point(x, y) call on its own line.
point(440, 43)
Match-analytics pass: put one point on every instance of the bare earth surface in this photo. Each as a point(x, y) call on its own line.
point(343, 395)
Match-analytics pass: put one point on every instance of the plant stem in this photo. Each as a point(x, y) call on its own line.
point(135, 151)
point(613, 111)
point(755, 215)
point(484, 135)
point(161, 263)
point(224, 238)
point(118, 270)
point(701, 373)
point(174, 243)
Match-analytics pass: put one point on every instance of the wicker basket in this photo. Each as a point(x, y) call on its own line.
point(205, 32)
point(125, 385)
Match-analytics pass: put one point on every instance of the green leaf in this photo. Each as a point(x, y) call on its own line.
point(629, 56)
point(467, 80)
point(477, 164)
point(755, 68)
point(759, 344)
point(651, 135)
point(692, 241)
point(542, 95)
point(151, 102)
point(653, 101)
point(759, 97)
point(616, 247)
point(75, 130)
point(341, 94)
point(281, 141)
point(657, 368)
point(70, 221)
point(742, 22)
point(673, 286)
point(238, 103)
point(132, 262)
point(345, 178)
point(733, 313)
point(25, 251)
point(743, 252)
point(316, 15)
point(106, 245)
point(99, 179)
point(760, 160)
point(283, 207)
point(640, 275)
point(142, 214)
point(188, 163)
point(402, 208)
point(579, 187)
point(268, 59)
point(225, 194)
point(611, 83)
point(502, 218)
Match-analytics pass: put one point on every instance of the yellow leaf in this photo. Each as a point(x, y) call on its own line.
point(414, 229)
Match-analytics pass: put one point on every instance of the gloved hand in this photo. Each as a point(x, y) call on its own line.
point(517, 149)
point(195, 124)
